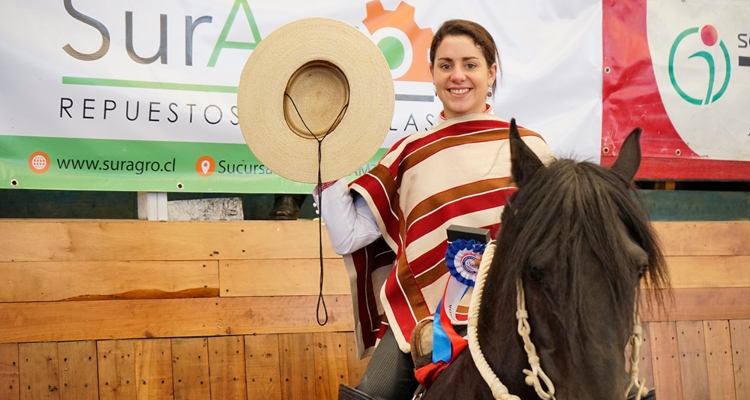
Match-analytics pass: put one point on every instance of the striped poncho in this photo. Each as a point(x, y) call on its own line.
point(456, 173)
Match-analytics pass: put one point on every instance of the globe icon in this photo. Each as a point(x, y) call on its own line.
point(39, 162)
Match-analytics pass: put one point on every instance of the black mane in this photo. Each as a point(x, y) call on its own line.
point(566, 210)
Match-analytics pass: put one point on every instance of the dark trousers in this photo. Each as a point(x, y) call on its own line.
point(390, 372)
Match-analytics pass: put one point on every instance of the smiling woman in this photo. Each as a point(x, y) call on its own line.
point(462, 76)
point(457, 173)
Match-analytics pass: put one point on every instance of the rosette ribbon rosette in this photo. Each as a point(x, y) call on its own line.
point(459, 258)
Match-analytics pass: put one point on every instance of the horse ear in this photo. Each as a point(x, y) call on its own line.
point(524, 163)
point(629, 159)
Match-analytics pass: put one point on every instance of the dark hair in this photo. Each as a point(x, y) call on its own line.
point(477, 33)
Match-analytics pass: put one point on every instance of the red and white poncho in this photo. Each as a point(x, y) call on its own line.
point(456, 173)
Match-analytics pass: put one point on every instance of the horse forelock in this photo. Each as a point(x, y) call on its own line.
point(571, 213)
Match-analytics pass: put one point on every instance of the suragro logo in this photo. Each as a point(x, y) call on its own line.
point(709, 37)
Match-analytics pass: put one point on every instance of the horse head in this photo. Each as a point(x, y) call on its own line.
point(578, 242)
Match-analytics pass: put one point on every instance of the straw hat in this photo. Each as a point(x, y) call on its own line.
point(322, 65)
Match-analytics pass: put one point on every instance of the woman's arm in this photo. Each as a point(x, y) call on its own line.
point(348, 219)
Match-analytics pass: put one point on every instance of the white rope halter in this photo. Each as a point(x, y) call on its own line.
point(636, 340)
point(536, 375)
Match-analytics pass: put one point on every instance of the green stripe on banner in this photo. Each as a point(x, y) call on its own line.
point(71, 80)
point(28, 162)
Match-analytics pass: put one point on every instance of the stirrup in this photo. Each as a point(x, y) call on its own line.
point(350, 393)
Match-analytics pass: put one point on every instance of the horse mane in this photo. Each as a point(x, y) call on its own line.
point(569, 208)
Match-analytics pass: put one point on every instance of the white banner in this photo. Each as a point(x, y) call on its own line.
point(167, 71)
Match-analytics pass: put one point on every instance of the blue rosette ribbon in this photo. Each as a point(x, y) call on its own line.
point(459, 256)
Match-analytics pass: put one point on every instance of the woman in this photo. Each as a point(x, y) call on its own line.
point(456, 173)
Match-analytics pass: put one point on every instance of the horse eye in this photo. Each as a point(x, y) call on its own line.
point(535, 272)
point(641, 270)
point(535, 275)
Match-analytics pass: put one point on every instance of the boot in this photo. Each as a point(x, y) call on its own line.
point(350, 393)
point(286, 206)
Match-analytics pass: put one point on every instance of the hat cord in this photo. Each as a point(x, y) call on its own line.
point(321, 299)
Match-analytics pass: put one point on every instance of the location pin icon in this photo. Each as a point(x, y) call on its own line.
point(205, 165)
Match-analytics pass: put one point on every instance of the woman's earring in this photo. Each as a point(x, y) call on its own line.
point(489, 92)
point(434, 88)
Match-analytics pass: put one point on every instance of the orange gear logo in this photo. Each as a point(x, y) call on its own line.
point(403, 43)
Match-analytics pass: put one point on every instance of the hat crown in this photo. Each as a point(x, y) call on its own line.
point(315, 99)
point(315, 78)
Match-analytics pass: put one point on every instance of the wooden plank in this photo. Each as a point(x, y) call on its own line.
point(665, 360)
point(297, 366)
point(330, 363)
point(719, 360)
point(693, 368)
point(66, 240)
point(190, 368)
point(354, 364)
point(130, 240)
point(262, 367)
point(282, 277)
point(78, 376)
point(153, 369)
point(9, 378)
point(740, 333)
point(94, 320)
point(38, 371)
point(116, 369)
point(226, 360)
point(700, 304)
point(709, 271)
point(50, 281)
point(696, 205)
point(704, 238)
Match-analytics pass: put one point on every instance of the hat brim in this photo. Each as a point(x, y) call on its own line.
point(260, 100)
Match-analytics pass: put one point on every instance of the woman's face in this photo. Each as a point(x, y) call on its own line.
point(461, 76)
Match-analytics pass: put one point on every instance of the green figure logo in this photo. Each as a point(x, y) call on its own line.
point(709, 37)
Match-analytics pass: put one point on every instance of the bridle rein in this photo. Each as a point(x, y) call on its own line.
point(536, 375)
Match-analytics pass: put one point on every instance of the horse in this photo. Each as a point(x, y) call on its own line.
point(578, 242)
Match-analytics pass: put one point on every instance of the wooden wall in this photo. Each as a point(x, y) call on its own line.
point(226, 310)
point(699, 347)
